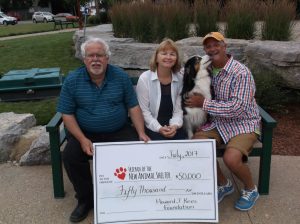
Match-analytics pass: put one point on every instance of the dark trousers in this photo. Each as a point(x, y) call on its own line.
point(77, 165)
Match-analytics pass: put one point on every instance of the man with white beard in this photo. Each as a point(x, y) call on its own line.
point(95, 100)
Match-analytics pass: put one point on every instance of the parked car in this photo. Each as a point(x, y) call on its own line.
point(42, 17)
point(14, 14)
point(68, 16)
point(5, 20)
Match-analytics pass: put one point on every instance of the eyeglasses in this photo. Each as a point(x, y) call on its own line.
point(97, 56)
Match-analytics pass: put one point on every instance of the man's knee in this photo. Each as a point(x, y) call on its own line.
point(232, 158)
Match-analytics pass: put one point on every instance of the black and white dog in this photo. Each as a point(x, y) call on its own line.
point(196, 79)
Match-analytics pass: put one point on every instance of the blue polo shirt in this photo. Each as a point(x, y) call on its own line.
point(101, 109)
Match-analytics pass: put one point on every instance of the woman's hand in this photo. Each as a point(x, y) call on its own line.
point(168, 131)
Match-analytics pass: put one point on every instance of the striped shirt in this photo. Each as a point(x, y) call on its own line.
point(101, 109)
point(233, 110)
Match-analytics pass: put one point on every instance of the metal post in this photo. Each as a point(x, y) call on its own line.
point(84, 27)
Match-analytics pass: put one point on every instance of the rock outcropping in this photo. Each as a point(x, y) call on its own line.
point(12, 126)
point(21, 141)
point(282, 57)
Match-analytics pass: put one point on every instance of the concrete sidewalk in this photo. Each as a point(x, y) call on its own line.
point(39, 34)
point(26, 196)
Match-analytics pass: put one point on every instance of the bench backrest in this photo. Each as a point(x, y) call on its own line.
point(60, 18)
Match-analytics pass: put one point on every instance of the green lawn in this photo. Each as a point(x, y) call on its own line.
point(43, 110)
point(19, 29)
point(53, 50)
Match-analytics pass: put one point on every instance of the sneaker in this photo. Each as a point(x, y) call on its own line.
point(225, 190)
point(247, 199)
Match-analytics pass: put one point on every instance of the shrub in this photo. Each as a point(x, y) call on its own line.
point(240, 18)
point(269, 84)
point(104, 18)
point(278, 18)
point(94, 19)
point(206, 17)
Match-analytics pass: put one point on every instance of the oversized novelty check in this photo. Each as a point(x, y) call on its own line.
point(159, 181)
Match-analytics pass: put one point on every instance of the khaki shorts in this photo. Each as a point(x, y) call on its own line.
point(243, 142)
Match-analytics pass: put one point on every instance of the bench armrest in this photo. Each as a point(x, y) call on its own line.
point(268, 124)
point(267, 120)
point(54, 123)
point(55, 130)
point(57, 136)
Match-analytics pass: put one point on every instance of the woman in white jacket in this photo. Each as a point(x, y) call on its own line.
point(158, 92)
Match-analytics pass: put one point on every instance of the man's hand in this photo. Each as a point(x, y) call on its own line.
point(195, 100)
point(87, 146)
point(144, 137)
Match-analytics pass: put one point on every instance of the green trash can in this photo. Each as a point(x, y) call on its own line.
point(30, 84)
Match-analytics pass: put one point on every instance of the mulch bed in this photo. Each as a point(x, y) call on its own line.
point(286, 136)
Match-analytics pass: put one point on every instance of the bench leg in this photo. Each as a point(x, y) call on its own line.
point(265, 163)
point(57, 171)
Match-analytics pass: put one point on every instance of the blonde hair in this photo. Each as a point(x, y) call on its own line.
point(164, 45)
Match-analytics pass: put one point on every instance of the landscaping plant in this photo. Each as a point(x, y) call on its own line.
point(206, 17)
point(278, 19)
point(240, 19)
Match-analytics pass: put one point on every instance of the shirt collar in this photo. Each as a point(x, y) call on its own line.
point(154, 76)
point(228, 63)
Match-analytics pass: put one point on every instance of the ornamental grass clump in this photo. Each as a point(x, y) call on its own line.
point(177, 17)
point(150, 22)
point(278, 19)
point(240, 19)
point(120, 14)
point(206, 17)
point(141, 21)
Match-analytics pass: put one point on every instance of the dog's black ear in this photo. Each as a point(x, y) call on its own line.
point(189, 74)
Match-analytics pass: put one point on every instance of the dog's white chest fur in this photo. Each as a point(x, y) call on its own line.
point(195, 116)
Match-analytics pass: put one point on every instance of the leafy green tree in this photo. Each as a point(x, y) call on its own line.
point(7, 5)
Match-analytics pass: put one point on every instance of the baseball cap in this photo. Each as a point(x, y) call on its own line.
point(216, 35)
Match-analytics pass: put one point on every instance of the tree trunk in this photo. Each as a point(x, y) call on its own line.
point(97, 7)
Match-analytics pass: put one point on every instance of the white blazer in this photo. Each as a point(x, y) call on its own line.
point(149, 95)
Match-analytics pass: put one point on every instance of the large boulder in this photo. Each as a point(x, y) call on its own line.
point(282, 57)
point(12, 126)
point(39, 151)
point(25, 141)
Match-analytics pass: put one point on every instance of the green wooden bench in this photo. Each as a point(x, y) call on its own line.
point(60, 21)
point(262, 149)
